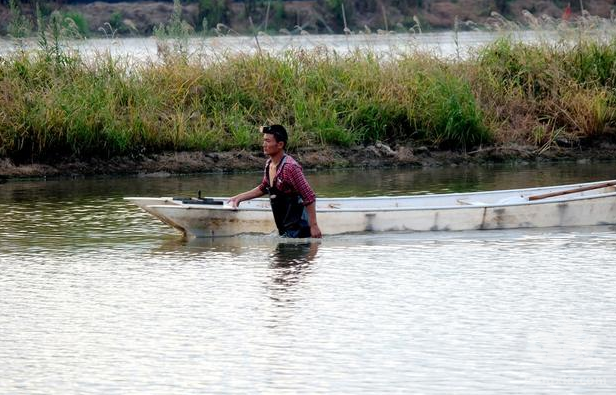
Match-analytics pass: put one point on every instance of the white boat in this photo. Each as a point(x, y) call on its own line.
point(587, 204)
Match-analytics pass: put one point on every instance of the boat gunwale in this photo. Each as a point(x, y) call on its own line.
point(426, 195)
point(401, 208)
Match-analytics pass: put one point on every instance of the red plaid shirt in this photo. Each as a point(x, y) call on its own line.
point(290, 179)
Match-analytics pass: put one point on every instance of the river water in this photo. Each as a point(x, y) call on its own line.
point(445, 44)
point(97, 297)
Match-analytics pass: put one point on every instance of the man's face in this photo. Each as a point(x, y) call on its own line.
point(270, 146)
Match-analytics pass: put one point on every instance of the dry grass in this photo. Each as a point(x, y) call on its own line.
point(56, 104)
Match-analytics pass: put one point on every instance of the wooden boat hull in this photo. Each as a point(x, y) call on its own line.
point(450, 212)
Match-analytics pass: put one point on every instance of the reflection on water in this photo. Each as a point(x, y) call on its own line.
point(290, 262)
point(350, 182)
point(290, 254)
point(98, 297)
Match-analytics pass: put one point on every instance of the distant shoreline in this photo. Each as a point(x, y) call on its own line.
point(141, 18)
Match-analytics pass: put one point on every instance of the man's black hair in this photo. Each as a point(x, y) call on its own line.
point(278, 131)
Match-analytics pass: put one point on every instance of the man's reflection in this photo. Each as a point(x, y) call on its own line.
point(289, 254)
point(289, 264)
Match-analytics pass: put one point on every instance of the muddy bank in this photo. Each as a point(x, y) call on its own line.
point(372, 156)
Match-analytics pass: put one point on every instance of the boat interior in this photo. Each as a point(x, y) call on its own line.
point(489, 198)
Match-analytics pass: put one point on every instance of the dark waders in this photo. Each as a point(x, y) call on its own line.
point(288, 209)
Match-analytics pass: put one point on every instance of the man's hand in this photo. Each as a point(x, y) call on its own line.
point(312, 220)
point(234, 202)
point(237, 199)
point(315, 231)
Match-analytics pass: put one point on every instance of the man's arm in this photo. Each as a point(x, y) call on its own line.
point(253, 193)
point(312, 218)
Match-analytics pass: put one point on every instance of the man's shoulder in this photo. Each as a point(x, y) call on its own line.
point(290, 161)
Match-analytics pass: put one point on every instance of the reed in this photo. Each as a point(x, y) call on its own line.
point(56, 104)
point(561, 89)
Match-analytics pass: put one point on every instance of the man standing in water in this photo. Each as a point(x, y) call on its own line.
point(293, 201)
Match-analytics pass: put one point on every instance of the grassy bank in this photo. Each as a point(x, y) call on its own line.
point(55, 104)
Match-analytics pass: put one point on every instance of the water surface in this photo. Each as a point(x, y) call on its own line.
point(447, 44)
point(97, 297)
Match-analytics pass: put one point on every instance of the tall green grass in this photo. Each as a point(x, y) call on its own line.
point(70, 106)
point(54, 103)
point(535, 93)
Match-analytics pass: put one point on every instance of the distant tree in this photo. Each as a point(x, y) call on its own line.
point(333, 11)
point(405, 4)
point(362, 6)
point(19, 26)
point(115, 20)
point(279, 14)
point(79, 21)
point(502, 6)
point(250, 7)
point(212, 12)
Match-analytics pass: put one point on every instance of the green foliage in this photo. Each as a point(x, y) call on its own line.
point(592, 63)
point(54, 102)
point(250, 7)
point(279, 14)
point(76, 21)
point(553, 88)
point(19, 26)
point(116, 22)
point(333, 9)
point(176, 27)
point(50, 37)
point(502, 6)
point(447, 112)
point(520, 66)
point(173, 37)
point(45, 8)
point(63, 105)
point(213, 12)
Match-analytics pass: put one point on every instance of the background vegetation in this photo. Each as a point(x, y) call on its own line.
point(55, 104)
point(284, 17)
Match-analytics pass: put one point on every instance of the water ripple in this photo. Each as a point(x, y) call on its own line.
point(97, 297)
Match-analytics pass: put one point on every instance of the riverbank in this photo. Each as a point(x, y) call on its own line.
point(143, 17)
point(315, 158)
point(71, 114)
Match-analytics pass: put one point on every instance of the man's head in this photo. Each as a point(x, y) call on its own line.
point(274, 139)
point(278, 131)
